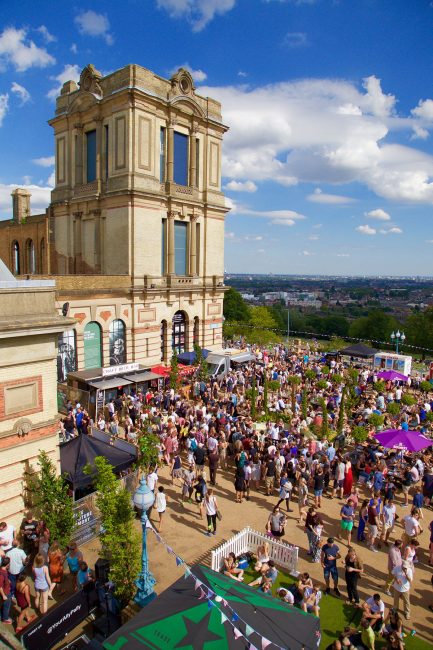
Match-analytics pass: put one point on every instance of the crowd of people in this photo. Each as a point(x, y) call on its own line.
point(263, 424)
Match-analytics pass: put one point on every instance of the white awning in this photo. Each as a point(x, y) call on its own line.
point(139, 377)
point(112, 382)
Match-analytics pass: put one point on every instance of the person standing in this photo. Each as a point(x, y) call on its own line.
point(5, 592)
point(73, 558)
point(328, 559)
point(286, 488)
point(394, 560)
point(353, 571)
point(312, 520)
point(56, 559)
point(403, 576)
point(18, 561)
point(388, 520)
point(347, 518)
point(373, 524)
point(210, 507)
point(213, 460)
point(160, 505)
point(42, 583)
point(412, 527)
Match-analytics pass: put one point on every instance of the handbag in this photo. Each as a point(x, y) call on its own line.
point(219, 515)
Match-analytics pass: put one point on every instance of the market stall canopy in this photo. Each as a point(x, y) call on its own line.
point(110, 382)
point(358, 350)
point(147, 375)
point(190, 357)
point(392, 375)
point(183, 617)
point(401, 439)
point(163, 371)
point(82, 451)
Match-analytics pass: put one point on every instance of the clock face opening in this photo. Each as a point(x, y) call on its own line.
point(184, 85)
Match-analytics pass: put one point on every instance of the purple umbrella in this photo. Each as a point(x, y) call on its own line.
point(391, 375)
point(410, 440)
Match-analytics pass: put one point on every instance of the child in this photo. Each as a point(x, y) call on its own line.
point(160, 505)
point(418, 500)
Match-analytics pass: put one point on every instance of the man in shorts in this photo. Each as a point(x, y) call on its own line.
point(373, 524)
point(347, 513)
point(328, 559)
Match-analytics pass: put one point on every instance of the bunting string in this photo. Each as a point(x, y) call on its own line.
point(216, 601)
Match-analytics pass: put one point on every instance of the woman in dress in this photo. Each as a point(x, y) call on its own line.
point(354, 569)
point(43, 534)
point(240, 484)
point(42, 583)
point(56, 560)
point(22, 594)
point(73, 558)
point(302, 499)
point(348, 478)
point(363, 519)
point(262, 557)
point(276, 523)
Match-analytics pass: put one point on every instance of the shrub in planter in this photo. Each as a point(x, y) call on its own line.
point(408, 400)
point(425, 386)
point(359, 434)
point(322, 384)
point(393, 409)
point(376, 420)
point(379, 386)
point(337, 379)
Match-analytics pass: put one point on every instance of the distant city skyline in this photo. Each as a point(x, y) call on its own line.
point(328, 162)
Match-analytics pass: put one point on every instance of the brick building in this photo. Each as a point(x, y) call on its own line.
point(29, 331)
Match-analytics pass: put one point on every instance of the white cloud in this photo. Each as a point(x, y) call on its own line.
point(40, 199)
point(51, 179)
point(238, 186)
point(261, 250)
point(48, 38)
point(21, 92)
point(379, 214)
point(277, 217)
point(366, 230)
point(307, 253)
point(45, 161)
point(91, 23)
point(253, 238)
point(198, 12)
point(429, 241)
point(295, 40)
point(296, 132)
point(74, 48)
point(4, 105)
point(69, 73)
point(392, 231)
point(229, 235)
point(343, 255)
point(314, 238)
point(241, 73)
point(332, 199)
point(21, 52)
point(198, 75)
point(424, 110)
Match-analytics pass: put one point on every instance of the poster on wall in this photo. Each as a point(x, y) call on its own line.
point(117, 349)
point(66, 355)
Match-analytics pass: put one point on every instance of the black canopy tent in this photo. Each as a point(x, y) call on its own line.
point(182, 617)
point(81, 451)
point(358, 350)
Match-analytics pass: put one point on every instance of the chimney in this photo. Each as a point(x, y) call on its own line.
point(20, 204)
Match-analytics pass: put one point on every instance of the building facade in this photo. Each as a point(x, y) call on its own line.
point(29, 329)
point(134, 234)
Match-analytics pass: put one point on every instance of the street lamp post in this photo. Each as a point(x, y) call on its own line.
point(144, 499)
point(396, 338)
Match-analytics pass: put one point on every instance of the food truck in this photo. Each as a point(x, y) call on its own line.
point(392, 361)
point(95, 387)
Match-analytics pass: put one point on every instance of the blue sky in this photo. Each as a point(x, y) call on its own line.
point(328, 164)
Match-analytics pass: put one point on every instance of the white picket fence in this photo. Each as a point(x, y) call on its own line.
point(247, 541)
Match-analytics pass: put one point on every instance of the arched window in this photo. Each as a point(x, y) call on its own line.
point(42, 256)
point(66, 355)
point(163, 340)
point(117, 342)
point(92, 345)
point(16, 258)
point(178, 336)
point(30, 257)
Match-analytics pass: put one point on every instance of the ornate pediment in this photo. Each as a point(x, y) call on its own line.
point(182, 83)
point(89, 80)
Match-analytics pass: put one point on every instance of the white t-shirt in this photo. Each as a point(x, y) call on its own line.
point(151, 480)
point(399, 574)
point(411, 525)
point(7, 535)
point(160, 502)
point(210, 505)
point(376, 607)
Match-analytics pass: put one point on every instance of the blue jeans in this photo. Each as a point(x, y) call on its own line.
point(13, 581)
point(6, 608)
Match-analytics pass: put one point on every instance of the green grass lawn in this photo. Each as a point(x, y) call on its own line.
point(335, 615)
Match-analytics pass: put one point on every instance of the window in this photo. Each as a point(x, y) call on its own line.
point(106, 150)
point(196, 331)
point(30, 257)
point(42, 256)
point(164, 247)
point(180, 246)
point(16, 258)
point(117, 343)
point(178, 332)
point(180, 158)
point(92, 346)
point(66, 355)
point(197, 248)
point(91, 155)
point(197, 163)
point(162, 154)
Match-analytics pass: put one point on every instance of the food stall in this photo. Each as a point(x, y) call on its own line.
point(392, 361)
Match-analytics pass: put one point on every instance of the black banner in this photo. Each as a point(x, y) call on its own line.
point(59, 621)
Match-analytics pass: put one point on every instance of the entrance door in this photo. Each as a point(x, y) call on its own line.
point(92, 346)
